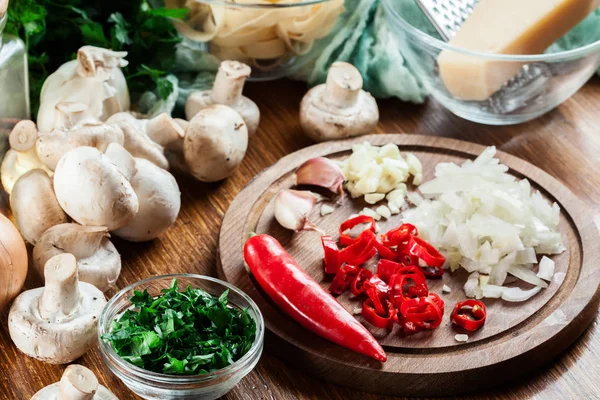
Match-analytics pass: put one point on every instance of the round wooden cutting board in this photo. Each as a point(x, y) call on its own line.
point(516, 339)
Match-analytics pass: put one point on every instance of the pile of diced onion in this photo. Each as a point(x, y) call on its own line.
point(489, 223)
point(379, 173)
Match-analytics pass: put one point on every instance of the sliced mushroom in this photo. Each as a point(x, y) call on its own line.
point(77, 383)
point(92, 190)
point(35, 205)
point(227, 90)
point(98, 260)
point(215, 143)
point(139, 143)
point(339, 108)
point(53, 145)
point(57, 323)
point(22, 156)
point(160, 201)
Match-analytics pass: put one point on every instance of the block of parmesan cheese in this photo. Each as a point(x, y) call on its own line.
point(505, 27)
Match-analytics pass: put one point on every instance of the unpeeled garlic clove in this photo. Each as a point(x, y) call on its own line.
point(323, 172)
point(292, 208)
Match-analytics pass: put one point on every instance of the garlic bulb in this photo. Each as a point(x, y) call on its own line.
point(93, 79)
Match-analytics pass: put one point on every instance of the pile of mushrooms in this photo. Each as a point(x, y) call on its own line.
point(76, 383)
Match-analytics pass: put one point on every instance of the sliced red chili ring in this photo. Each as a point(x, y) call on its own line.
point(426, 252)
point(377, 283)
point(343, 278)
point(385, 252)
point(358, 282)
point(405, 287)
point(433, 272)
point(387, 268)
point(410, 270)
point(422, 311)
point(378, 299)
point(347, 225)
point(399, 235)
point(469, 314)
point(332, 255)
point(380, 320)
point(362, 248)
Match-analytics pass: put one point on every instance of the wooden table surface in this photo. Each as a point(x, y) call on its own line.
point(565, 143)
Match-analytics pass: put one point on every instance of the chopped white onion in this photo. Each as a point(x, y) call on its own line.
point(515, 294)
point(446, 289)
point(559, 278)
point(326, 210)
point(485, 220)
point(546, 269)
point(492, 291)
point(461, 337)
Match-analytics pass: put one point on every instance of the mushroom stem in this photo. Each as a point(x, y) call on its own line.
point(61, 293)
point(23, 136)
point(84, 242)
point(164, 130)
point(77, 383)
point(343, 85)
point(229, 82)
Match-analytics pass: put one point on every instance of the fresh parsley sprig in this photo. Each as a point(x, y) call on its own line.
point(182, 332)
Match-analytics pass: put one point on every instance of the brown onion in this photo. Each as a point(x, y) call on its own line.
point(13, 261)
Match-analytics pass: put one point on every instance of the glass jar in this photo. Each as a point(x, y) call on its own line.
point(14, 83)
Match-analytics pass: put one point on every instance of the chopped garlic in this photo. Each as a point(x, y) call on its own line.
point(373, 198)
point(326, 210)
point(446, 289)
point(461, 337)
point(394, 209)
point(384, 212)
point(370, 213)
point(371, 169)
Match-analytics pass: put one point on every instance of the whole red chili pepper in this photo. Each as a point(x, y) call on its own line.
point(332, 255)
point(346, 239)
point(303, 299)
point(343, 278)
point(469, 314)
point(358, 283)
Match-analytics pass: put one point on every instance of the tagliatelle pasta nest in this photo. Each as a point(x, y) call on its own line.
point(262, 33)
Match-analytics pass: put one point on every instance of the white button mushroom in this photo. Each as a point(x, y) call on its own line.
point(227, 90)
point(215, 143)
point(35, 205)
point(122, 159)
point(57, 323)
point(22, 156)
point(138, 143)
point(98, 261)
point(92, 190)
point(77, 383)
point(339, 108)
point(51, 146)
point(160, 201)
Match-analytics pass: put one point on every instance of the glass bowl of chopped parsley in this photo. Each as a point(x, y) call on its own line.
point(181, 336)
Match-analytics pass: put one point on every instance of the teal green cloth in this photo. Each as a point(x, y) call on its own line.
point(360, 37)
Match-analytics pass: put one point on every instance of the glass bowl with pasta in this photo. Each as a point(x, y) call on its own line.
point(268, 35)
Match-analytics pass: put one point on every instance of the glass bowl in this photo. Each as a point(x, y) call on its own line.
point(152, 385)
point(267, 35)
point(539, 84)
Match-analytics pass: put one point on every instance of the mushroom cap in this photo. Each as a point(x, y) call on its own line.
point(160, 202)
point(215, 143)
point(51, 146)
point(35, 205)
point(92, 191)
point(15, 164)
point(77, 382)
point(199, 100)
point(321, 121)
point(98, 261)
point(57, 340)
point(136, 141)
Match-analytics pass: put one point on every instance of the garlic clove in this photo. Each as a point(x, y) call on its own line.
point(292, 208)
point(322, 172)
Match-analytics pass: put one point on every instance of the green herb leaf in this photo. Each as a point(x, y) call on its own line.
point(181, 332)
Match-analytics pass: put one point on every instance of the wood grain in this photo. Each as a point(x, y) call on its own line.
point(565, 143)
point(515, 337)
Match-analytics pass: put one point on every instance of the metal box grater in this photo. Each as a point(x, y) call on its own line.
point(447, 15)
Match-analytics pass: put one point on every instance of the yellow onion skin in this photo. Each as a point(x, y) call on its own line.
point(13, 262)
